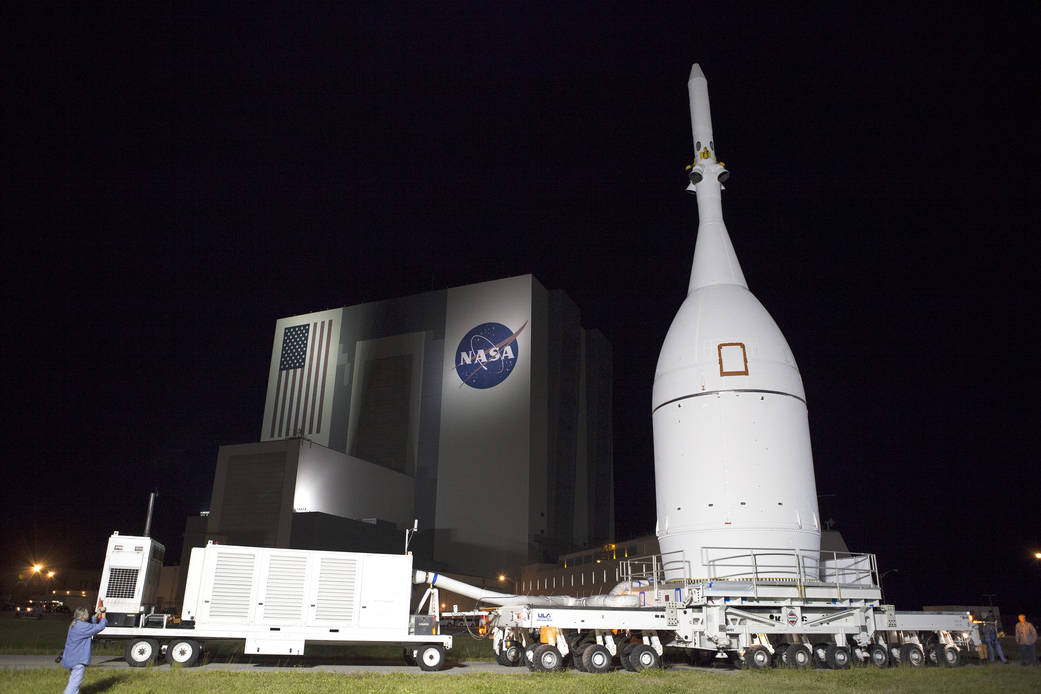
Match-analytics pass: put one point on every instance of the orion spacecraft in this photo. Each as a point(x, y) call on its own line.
point(732, 460)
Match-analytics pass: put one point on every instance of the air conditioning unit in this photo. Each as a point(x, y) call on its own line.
point(130, 578)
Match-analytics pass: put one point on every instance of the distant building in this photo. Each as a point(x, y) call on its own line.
point(482, 411)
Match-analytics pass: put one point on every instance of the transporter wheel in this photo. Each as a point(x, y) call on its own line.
point(141, 652)
point(781, 655)
point(643, 657)
point(183, 652)
point(409, 655)
point(597, 659)
point(430, 656)
point(879, 655)
point(951, 656)
point(512, 654)
point(820, 654)
point(529, 656)
point(837, 657)
point(799, 656)
point(757, 657)
point(911, 654)
point(548, 658)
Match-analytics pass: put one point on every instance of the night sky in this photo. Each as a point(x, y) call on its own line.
point(177, 179)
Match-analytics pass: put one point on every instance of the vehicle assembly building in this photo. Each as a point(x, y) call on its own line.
point(483, 411)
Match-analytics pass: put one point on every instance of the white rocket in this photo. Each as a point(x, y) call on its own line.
point(732, 459)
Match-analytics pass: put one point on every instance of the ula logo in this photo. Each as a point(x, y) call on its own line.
point(487, 355)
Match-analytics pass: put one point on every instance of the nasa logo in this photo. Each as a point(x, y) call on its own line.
point(487, 355)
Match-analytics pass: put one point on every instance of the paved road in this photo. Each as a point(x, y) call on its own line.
point(241, 664)
point(272, 664)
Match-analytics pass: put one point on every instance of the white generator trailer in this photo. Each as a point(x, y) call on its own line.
point(275, 600)
point(747, 612)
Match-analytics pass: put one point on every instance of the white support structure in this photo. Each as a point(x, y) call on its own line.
point(754, 618)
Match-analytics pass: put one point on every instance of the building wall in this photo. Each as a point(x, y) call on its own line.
point(259, 486)
point(485, 446)
point(253, 489)
point(341, 485)
point(369, 414)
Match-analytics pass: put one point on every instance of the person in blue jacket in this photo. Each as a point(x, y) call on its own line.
point(990, 637)
point(76, 656)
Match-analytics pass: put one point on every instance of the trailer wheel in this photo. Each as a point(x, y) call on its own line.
point(409, 655)
point(597, 659)
point(757, 657)
point(509, 655)
point(431, 656)
point(837, 657)
point(183, 652)
point(879, 655)
point(780, 654)
point(911, 654)
point(799, 656)
point(951, 656)
point(513, 654)
point(141, 652)
point(644, 657)
point(548, 658)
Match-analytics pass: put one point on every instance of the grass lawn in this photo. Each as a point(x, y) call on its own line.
point(1010, 678)
point(46, 636)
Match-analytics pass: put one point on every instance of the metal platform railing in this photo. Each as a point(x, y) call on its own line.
point(759, 566)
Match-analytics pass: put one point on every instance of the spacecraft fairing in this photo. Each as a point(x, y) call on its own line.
point(732, 460)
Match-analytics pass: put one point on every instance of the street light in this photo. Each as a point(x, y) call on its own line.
point(37, 568)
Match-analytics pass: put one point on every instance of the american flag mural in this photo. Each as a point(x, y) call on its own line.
point(300, 388)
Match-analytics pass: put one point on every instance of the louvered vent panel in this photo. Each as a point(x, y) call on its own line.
point(337, 583)
point(232, 584)
point(284, 597)
point(121, 583)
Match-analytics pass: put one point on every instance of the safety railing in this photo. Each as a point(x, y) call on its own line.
point(759, 566)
